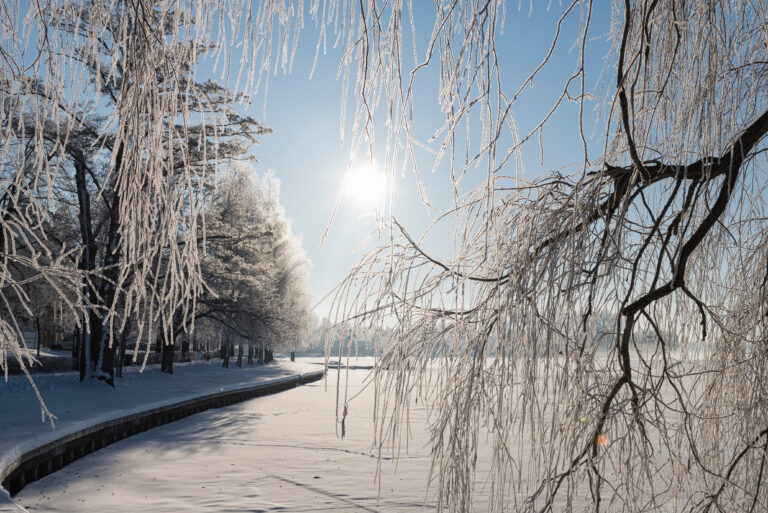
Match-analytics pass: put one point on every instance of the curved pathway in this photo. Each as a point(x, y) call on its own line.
point(269, 454)
point(29, 450)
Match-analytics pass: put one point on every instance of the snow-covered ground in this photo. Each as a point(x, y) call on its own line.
point(273, 453)
point(79, 405)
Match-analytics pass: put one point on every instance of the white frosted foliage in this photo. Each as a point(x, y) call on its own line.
point(602, 328)
point(611, 317)
point(107, 89)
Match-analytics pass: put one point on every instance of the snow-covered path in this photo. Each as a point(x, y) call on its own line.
point(274, 453)
point(81, 405)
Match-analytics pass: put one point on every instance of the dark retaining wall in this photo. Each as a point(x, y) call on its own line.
point(54, 455)
point(47, 364)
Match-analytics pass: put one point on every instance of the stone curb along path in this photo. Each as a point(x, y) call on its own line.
point(52, 456)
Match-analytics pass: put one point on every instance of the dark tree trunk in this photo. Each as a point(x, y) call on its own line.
point(293, 356)
point(81, 348)
point(75, 343)
point(37, 336)
point(168, 350)
point(97, 339)
point(225, 354)
point(240, 354)
point(102, 347)
point(250, 354)
point(166, 361)
point(87, 261)
point(121, 355)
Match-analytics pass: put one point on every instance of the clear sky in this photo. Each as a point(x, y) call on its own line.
point(306, 153)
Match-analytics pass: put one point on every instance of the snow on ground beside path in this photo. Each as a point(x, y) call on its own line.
point(268, 454)
point(79, 405)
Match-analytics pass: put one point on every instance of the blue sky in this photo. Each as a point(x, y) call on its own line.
point(306, 153)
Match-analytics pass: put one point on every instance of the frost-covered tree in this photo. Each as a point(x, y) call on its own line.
point(254, 268)
point(654, 247)
point(107, 118)
point(662, 229)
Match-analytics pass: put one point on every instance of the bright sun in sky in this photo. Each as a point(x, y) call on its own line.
point(366, 186)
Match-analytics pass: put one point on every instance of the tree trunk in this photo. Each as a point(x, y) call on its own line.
point(166, 359)
point(87, 262)
point(240, 354)
point(121, 356)
point(293, 356)
point(250, 354)
point(225, 354)
point(82, 357)
point(99, 350)
point(37, 336)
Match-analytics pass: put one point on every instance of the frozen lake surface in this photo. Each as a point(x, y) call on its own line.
point(274, 453)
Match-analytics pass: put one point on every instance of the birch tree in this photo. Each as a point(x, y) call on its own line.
point(654, 247)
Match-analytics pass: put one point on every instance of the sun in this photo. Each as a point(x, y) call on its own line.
point(366, 186)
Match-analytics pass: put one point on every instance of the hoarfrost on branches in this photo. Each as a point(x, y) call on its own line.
point(110, 84)
point(654, 249)
point(604, 331)
point(254, 268)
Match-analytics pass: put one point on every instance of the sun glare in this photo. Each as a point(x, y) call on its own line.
point(366, 186)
